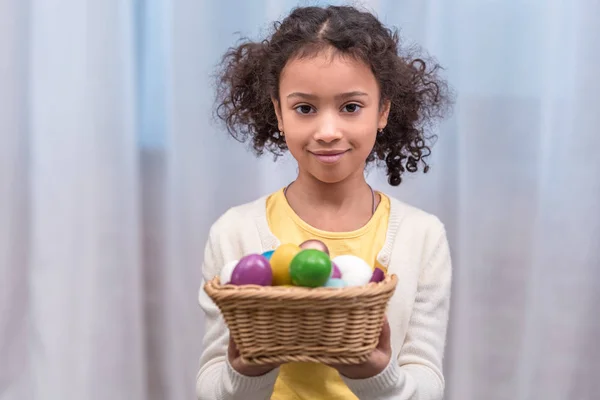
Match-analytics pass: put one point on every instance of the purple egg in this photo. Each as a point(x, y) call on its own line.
point(253, 269)
point(335, 272)
point(378, 275)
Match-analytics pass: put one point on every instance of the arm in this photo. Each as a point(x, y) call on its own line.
point(217, 380)
point(416, 371)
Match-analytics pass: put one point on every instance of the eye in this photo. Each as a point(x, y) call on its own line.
point(304, 109)
point(351, 108)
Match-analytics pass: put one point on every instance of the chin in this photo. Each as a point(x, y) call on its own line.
point(329, 178)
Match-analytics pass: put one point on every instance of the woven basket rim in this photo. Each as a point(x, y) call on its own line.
point(255, 292)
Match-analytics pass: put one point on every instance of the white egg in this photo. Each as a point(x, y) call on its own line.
point(226, 271)
point(355, 271)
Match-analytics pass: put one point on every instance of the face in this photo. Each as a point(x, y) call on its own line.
point(330, 112)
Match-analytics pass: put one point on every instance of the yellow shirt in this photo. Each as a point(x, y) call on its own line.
point(309, 381)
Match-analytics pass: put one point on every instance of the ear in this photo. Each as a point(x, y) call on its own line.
point(277, 108)
point(384, 112)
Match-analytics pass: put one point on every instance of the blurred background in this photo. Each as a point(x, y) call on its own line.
point(112, 171)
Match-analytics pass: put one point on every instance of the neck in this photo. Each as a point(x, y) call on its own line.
point(310, 193)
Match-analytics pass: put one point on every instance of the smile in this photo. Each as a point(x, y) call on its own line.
point(329, 157)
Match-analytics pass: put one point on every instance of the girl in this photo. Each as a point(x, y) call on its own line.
point(332, 87)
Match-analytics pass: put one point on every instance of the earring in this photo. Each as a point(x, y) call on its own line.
point(380, 131)
point(281, 133)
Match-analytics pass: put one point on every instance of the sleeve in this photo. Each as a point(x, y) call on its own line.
point(216, 379)
point(415, 371)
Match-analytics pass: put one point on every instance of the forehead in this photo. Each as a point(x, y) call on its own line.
point(327, 73)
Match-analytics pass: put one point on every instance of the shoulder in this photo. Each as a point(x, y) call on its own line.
point(239, 218)
point(413, 218)
point(418, 238)
point(414, 231)
point(240, 230)
point(232, 235)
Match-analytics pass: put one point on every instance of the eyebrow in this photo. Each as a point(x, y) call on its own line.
point(308, 96)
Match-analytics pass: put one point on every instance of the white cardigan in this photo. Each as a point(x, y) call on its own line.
point(416, 250)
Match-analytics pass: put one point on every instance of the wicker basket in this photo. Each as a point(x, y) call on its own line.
point(277, 325)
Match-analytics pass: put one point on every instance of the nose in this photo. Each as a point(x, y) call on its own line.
point(327, 130)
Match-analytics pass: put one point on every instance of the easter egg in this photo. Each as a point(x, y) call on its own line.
point(315, 244)
point(268, 254)
point(378, 275)
point(226, 271)
point(253, 269)
point(335, 271)
point(310, 268)
point(355, 271)
point(280, 263)
point(335, 283)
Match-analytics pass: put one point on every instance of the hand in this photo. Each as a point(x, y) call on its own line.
point(233, 354)
point(378, 359)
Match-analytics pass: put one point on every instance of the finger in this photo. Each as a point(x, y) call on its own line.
point(385, 335)
point(232, 349)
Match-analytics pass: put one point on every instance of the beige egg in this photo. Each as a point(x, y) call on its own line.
point(315, 244)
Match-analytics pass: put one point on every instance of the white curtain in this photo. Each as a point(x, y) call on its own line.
point(111, 172)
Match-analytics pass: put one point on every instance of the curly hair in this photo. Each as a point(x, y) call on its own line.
point(249, 74)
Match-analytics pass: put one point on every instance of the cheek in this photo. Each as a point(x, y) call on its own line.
point(296, 132)
point(364, 149)
point(295, 144)
point(363, 137)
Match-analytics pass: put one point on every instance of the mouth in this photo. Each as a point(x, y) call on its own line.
point(328, 156)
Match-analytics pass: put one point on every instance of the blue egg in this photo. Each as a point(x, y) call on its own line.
point(268, 254)
point(335, 283)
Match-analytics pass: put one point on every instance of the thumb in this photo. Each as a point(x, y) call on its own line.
point(385, 335)
point(232, 350)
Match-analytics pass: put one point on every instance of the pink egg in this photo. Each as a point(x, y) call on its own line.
point(378, 275)
point(315, 244)
point(335, 272)
point(253, 269)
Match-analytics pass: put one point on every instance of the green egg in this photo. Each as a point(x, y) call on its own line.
point(310, 268)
